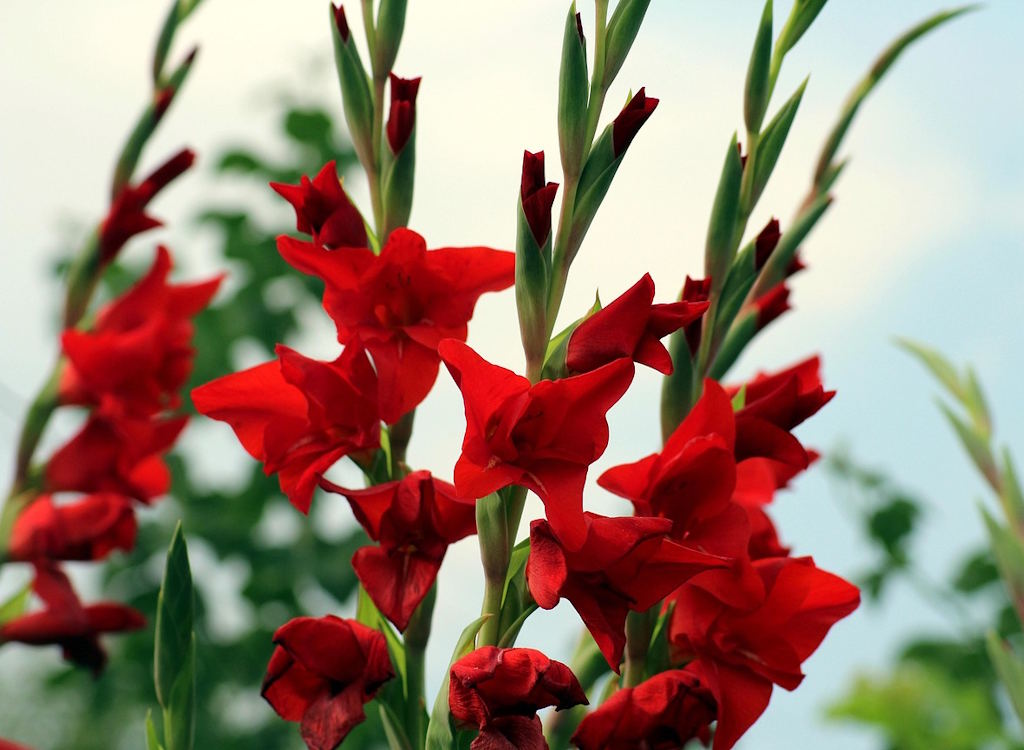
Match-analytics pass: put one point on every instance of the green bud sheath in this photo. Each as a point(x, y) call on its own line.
point(755, 100)
point(718, 250)
point(677, 389)
point(390, 25)
point(772, 140)
point(622, 30)
point(573, 93)
point(399, 180)
point(355, 88)
point(533, 269)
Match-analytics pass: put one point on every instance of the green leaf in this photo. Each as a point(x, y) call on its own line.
point(976, 445)
point(393, 729)
point(1010, 669)
point(976, 573)
point(1011, 495)
point(868, 83)
point(174, 658)
point(892, 524)
point(938, 365)
point(800, 19)
point(390, 26)
point(740, 399)
point(772, 140)
point(440, 734)
point(757, 93)
point(1008, 549)
point(152, 743)
point(16, 605)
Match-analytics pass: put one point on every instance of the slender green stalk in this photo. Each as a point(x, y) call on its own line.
point(415, 639)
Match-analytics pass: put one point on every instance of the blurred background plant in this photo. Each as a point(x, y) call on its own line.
point(278, 580)
point(961, 689)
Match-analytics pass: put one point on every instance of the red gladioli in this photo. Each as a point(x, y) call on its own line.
point(402, 303)
point(629, 121)
point(8, 745)
point(625, 564)
point(746, 644)
point(402, 115)
point(500, 690)
point(785, 398)
point(542, 437)
point(537, 196)
point(127, 216)
point(414, 519)
point(691, 480)
point(695, 290)
point(139, 353)
point(298, 415)
point(323, 210)
point(322, 673)
point(116, 454)
point(87, 529)
point(661, 713)
point(630, 326)
point(67, 623)
point(764, 244)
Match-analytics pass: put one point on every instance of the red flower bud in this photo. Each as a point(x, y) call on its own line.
point(772, 304)
point(500, 690)
point(127, 216)
point(341, 22)
point(630, 326)
point(67, 623)
point(402, 117)
point(322, 673)
point(323, 210)
point(662, 713)
point(765, 243)
point(88, 529)
point(537, 196)
point(695, 290)
point(630, 120)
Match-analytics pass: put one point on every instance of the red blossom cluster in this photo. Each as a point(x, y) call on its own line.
point(126, 368)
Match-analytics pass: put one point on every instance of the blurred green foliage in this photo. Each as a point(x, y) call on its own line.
point(942, 692)
point(110, 712)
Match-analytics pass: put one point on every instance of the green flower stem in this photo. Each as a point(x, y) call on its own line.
point(401, 433)
point(639, 626)
point(415, 639)
point(598, 86)
point(495, 551)
point(563, 253)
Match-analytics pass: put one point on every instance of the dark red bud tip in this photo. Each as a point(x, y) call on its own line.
point(695, 291)
point(402, 117)
point(167, 172)
point(795, 266)
point(537, 196)
point(743, 156)
point(630, 120)
point(341, 22)
point(765, 243)
point(579, 29)
point(771, 305)
point(162, 99)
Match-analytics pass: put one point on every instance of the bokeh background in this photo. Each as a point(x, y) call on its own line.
point(924, 241)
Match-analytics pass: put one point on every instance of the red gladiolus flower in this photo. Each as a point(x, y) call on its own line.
point(691, 480)
point(625, 564)
point(323, 210)
point(87, 529)
point(629, 121)
point(8, 745)
point(772, 304)
point(500, 690)
point(68, 624)
point(402, 115)
point(322, 673)
point(139, 353)
point(542, 437)
point(116, 454)
point(785, 398)
point(401, 303)
point(414, 519)
point(661, 713)
point(127, 216)
point(298, 416)
point(630, 326)
point(537, 196)
point(746, 648)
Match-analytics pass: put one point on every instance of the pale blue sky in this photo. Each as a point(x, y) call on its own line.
point(924, 240)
